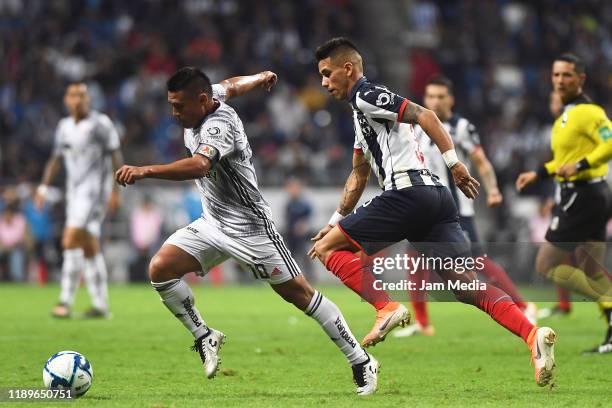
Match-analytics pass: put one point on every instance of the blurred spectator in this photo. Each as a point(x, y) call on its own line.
point(298, 212)
point(145, 232)
point(40, 227)
point(13, 240)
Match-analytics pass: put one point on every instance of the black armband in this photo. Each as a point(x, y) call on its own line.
point(542, 172)
point(583, 165)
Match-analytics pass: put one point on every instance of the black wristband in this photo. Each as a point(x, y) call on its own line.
point(582, 165)
point(542, 172)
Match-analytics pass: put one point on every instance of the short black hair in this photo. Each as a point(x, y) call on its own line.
point(442, 81)
point(579, 65)
point(189, 79)
point(332, 47)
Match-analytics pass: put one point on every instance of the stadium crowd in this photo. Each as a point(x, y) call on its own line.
point(498, 54)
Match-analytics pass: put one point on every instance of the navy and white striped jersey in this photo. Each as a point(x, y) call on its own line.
point(389, 145)
point(229, 192)
point(467, 141)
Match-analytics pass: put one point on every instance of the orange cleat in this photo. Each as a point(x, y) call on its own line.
point(388, 318)
point(541, 341)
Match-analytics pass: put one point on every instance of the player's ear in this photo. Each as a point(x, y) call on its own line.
point(203, 98)
point(348, 68)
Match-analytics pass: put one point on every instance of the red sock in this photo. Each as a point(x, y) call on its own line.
point(419, 297)
point(348, 267)
point(503, 310)
point(564, 299)
point(498, 277)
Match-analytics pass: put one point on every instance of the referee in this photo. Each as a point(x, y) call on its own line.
point(581, 143)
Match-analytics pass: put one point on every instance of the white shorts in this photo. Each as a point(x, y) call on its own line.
point(86, 213)
point(265, 256)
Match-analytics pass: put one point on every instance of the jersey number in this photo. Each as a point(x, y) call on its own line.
point(259, 271)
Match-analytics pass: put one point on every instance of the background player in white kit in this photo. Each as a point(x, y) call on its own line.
point(89, 146)
point(236, 222)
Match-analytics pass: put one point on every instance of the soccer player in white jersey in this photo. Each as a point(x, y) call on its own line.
point(413, 206)
point(440, 99)
point(236, 221)
point(88, 144)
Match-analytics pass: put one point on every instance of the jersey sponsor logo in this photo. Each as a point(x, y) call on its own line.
point(383, 99)
point(213, 131)
point(190, 228)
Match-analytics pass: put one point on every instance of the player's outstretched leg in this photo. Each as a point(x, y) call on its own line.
point(73, 240)
point(337, 253)
point(165, 270)
point(500, 306)
point(365, 367)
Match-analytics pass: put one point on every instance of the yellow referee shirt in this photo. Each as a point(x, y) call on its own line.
point(582, 131)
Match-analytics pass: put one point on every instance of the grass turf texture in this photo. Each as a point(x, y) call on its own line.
point(276, 356)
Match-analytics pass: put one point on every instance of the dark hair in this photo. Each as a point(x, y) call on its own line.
point(334, 46)
point(189, 79)
point(579, 65)
point(442, 81)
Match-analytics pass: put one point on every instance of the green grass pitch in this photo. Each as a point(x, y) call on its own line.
point(277, 356)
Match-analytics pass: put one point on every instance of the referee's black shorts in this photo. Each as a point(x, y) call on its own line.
point(424, 215)
point(581, 214)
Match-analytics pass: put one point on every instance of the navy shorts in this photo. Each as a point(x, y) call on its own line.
point(424, 215)
point(469, 229)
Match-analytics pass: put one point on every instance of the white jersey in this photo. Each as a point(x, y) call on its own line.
point(466, 140)
point(389, 145)
point(86, 148)
point(229, 192)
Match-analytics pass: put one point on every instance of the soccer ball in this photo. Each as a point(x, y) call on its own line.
point(68, 370)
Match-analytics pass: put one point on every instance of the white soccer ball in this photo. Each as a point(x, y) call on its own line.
point(68, 370)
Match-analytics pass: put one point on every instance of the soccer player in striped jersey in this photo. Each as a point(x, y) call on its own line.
point(439, 98)
point(88, 144)
point(236, 221)
point(413, 206)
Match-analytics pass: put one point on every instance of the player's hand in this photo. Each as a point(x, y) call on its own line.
point(525, 179)
point(312, 253)
point(114, 202)
point(129, 174)
point(269, 80)
point(466, 183)
point(494, 198)
point(567, 170)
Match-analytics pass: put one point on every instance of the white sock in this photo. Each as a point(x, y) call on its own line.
point(72, 266)
point(331, 320)
point(96, 278)
point(178, 298)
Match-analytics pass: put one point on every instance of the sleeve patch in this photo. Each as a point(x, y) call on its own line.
point(605, 133)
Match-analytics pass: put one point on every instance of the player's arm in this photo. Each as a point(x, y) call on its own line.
point(240, 85)
point(194, 167)
point(487, 175)
point(117, 162)
point(415, 114)
point(51, 169)
point(353, 189)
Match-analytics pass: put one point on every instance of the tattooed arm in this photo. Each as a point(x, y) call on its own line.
point(355, 184)
point(429, 122)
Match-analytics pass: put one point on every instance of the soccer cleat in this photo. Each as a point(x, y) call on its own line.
point(541, 341)
point(555, 311)
point(61, 311)
point(365, 376)
point(208, 347)
point(414, 330)
point(393, 315)
point(531, 312)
